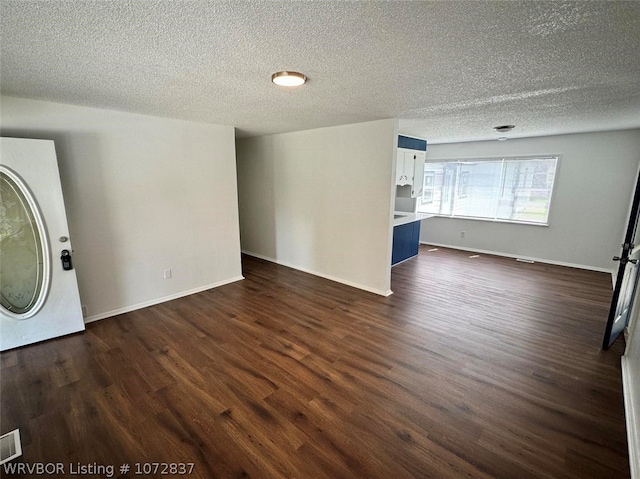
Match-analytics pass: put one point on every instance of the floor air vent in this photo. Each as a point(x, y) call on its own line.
point(10, 447)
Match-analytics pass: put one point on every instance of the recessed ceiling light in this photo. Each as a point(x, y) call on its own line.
point(504, 128)
point(288, 78)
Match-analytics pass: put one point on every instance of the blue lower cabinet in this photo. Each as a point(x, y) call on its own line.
point(406, 240)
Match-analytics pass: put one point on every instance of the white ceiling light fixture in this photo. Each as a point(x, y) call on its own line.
point(288, 79)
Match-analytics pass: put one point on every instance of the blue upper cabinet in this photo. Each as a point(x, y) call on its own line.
point(412, 143)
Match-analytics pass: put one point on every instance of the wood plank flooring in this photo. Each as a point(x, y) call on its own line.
point(475, 368)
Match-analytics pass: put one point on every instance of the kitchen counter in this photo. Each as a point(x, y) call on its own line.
point(409, 217)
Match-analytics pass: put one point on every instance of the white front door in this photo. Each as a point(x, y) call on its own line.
point(38, 291)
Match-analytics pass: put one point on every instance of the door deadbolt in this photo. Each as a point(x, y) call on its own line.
point(65, 257)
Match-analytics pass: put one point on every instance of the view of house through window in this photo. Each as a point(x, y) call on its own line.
point(506, 189)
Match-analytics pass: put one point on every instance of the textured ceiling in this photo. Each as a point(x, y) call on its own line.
point(450, 71)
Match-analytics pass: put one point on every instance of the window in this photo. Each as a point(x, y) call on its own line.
point(507, 189)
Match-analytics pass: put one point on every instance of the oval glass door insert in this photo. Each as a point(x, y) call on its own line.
point(24, 267)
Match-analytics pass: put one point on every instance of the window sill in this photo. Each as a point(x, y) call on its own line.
point(491, 220)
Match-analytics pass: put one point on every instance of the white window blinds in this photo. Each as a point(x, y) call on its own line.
point(506, 189)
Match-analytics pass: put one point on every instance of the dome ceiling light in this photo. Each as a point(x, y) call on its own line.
point(288, 79)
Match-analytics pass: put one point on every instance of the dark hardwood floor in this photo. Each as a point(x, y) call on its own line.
point(476, 367)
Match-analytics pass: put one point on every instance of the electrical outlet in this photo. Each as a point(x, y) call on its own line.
point(167, 273)
point(463, 234)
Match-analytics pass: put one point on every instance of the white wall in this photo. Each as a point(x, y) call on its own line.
point(143, 194)
point(321, 201)
point(595, 179)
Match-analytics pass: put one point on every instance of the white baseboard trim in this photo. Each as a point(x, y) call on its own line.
point(146, 304)
point(322, 275)
point(529, 258)
point(632, 415)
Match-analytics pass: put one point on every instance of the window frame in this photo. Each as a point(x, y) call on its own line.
point(502, 158)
